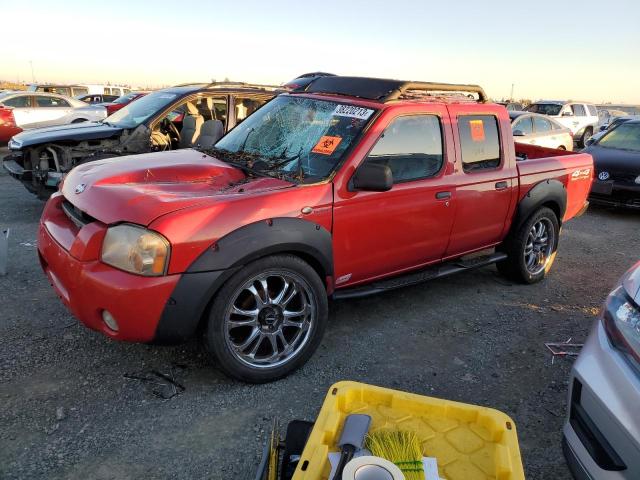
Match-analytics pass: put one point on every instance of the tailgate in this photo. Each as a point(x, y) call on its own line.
point(573, 170)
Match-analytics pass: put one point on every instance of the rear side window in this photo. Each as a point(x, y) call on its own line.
point(593, 111)
point(479, 142)
point(18, 102)
point(50, 102)
point(541, 124)
point(578, 110)
point(411, 146)
point(524, 125)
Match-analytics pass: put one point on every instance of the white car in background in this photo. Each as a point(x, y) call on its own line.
point(41, 109)
point(581, 118)
point(536, 129)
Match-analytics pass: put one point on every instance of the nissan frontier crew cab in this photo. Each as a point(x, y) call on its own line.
point(351, 187)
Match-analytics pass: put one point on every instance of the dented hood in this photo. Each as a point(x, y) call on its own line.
point(141, 188)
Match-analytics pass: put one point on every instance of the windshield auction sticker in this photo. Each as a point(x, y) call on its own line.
point(477, 130)
point(327, 145)
point(352, 112)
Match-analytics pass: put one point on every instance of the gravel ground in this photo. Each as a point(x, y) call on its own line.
point(67, 411)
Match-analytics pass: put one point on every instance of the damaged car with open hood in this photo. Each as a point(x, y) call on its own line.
point(177, 117)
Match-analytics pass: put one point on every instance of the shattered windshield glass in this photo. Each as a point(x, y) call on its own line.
point(299, 138)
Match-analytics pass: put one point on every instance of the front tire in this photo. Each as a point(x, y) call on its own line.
point(531, 249)
point(268, 319)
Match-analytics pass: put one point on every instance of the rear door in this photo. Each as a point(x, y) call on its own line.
point(49, 110)
point(486, 178)
point(382, 233)
point(544, 134)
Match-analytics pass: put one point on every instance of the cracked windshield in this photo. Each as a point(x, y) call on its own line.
point(298, 138)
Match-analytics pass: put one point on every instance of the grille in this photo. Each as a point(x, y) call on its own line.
point(77, 216)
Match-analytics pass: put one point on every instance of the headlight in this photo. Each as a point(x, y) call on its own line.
point(136, 250)
point(622, 322)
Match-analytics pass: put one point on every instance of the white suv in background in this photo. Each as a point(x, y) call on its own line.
point(581, 118)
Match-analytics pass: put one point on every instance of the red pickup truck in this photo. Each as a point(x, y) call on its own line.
point(351, 187)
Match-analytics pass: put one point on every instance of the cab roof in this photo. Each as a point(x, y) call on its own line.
point(382, 90)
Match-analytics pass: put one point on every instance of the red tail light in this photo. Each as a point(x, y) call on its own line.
point(6, 117)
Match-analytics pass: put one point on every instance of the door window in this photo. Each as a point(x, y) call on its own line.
point(541, 124)
point(524, 125)
point(246, 106)
point(479, 142)
point(411, 147)
point(22, 101)
point(593, 111)
point(50, 102)
point(578, 110)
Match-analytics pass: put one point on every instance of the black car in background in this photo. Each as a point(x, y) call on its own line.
point(616, 157)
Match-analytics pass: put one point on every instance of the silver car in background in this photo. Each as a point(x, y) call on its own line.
point(41, 109)
point(537, 129)
point(602, 431)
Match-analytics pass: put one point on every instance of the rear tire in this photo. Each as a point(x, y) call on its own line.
point(268, 319)
point(531, 249)
point(585, 136)
point(562, 147)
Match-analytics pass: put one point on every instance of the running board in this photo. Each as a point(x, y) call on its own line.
point(413, 278)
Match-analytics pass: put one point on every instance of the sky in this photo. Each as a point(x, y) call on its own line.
point(587, 50)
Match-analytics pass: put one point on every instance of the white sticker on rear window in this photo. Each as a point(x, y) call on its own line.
point(352, 112)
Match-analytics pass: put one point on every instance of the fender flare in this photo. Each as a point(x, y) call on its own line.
point(267, 237)
point(183, 311)
point(548, 192)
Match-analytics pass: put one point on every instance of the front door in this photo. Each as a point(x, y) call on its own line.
point(381, 233)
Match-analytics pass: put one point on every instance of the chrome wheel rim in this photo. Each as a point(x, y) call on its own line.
point(539, 246)
point(270, 318)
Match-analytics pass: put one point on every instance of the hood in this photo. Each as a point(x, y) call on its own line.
point(74, 131)
point(614, 160)
point(631, 283)
point(140, 188)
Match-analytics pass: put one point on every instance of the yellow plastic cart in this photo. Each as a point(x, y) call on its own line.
point(469, 442)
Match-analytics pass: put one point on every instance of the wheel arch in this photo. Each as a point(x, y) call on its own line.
point(548, 193)
point(187, 308)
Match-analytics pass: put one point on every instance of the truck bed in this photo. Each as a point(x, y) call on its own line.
point(573, 170)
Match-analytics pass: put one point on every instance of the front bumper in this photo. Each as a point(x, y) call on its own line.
point(602, 431)
point(69, 257)
point(615, 194)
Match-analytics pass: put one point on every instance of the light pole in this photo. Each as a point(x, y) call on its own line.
point(33, 77)
point(512, 91)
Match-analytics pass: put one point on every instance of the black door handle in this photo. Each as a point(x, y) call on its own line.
point(501, 185)
point(443, 195)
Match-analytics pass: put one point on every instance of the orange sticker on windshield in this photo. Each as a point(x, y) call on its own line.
point(326, 145)
point(477, 130)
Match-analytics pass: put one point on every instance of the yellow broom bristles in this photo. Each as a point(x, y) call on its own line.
point(400, 447)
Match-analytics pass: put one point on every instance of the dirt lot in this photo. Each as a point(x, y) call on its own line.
point(67, 411)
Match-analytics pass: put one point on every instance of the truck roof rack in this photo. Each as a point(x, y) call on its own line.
point(227, 85)
point(385, 90)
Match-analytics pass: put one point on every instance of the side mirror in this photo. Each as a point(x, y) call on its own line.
point(373, 177)
point(567, 114)
point(603, 127)
point(518, 133)
point(589, 141)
